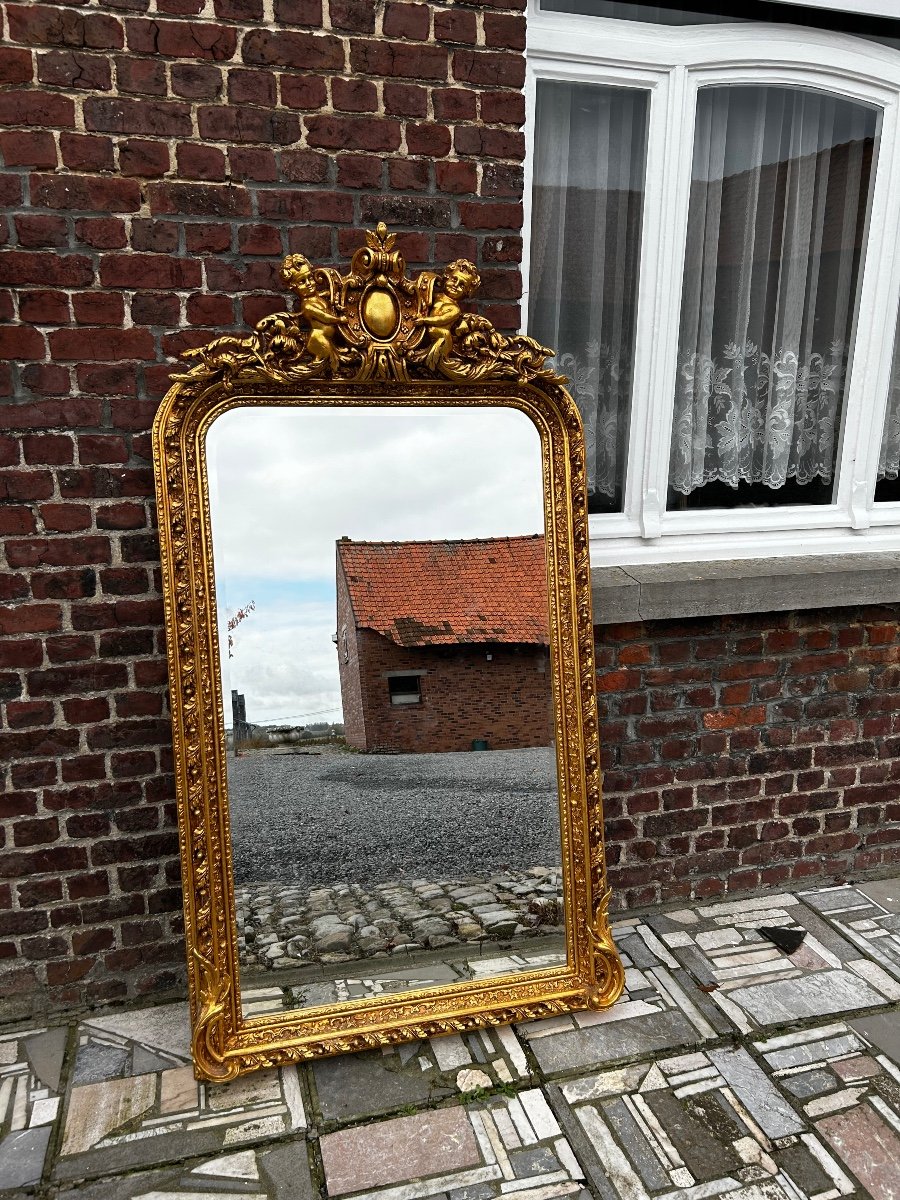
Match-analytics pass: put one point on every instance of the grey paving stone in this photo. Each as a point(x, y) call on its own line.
point(285, 1172)
point(804, 1169)
point(45, 1053)
point(22, 1157)
point(95, 1062)
point(706, 1156)
point(822, 994)
point(631, 1135)
point(809, 1083)
point(533, 1161)
point(883, 1031)
point(757, 1093)
point(604, 1044)
point(833, 898)
point(369, 1084)
point(885, 892)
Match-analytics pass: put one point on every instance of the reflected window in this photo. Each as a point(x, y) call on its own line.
point(405, 689)
point(589, 158)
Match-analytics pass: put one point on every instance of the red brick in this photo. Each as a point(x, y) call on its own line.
point(72, 69)
point(140, 76)
point(298, 12)
point(359, 171)
point(62, 270)
point(85, 192)
point(196, 81)
point(354, 95)
point(398, 60)
point(304, 166)
point(42, 25)
point(37, 108)
point(149, 271)
point(146, 159)
point(252, 163)
point(490, 216)
point(37, 149)
point(252, 87)
point(199, 199)
point(352, 15)
point(15, 65)
point(504, 31)
point(457, 25)
point(161, 118)
point(65, 518)
point(410, 174)
point(83, 152)
point(303, 91)
point(352, 133)
point(102, 344)
point(433, 140)
point(488, 143)
point(491, 68)
point(300, 51)
point(503, 108)
point(38, 308)
point(454, 104)
point(51, 449)
point(259, 239)
point(407, 21)
point(409, 100)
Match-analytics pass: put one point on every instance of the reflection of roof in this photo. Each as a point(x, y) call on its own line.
point(445, 593)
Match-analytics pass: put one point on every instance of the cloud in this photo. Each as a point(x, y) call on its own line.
point(287, 482)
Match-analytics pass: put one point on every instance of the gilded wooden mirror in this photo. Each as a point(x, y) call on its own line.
point(378, 614)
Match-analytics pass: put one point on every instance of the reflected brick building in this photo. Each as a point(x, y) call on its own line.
point(444, 644)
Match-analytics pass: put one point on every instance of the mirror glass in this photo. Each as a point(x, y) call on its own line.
point(383, 624)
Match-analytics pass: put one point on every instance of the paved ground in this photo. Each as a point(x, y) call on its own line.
point(386, 817)
point(727, 1068)
point(283, 928)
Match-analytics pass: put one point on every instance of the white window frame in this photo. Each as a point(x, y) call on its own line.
point(671, 64)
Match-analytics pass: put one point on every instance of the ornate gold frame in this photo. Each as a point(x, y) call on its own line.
point(371, 336)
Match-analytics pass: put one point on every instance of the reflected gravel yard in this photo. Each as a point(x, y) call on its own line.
point(318, 818)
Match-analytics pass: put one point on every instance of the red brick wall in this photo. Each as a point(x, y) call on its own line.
point(505, 701)
point(750, 752)
point(351, 684)
point(157, 164)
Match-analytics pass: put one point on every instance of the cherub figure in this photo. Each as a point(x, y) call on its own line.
point(298, 275)
point(460, 280)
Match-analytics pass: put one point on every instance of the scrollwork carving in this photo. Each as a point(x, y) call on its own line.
point(372, 323)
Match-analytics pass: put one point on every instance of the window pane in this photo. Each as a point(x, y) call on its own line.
point(590, 149)
point(887, 489)
point(778, 211)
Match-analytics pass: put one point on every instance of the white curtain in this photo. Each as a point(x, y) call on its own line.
point(777, 215)
point(590, 148)
point(889, 459)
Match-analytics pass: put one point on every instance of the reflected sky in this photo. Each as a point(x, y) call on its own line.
point(287, 483)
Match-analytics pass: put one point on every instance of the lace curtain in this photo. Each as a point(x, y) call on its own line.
point(778, 207)
point(590, 147)
point(889, 459)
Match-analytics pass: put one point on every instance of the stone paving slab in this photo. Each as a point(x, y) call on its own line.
point(660, 1009)
point(727, 1068)
point(132, 1099)
point(757, 985)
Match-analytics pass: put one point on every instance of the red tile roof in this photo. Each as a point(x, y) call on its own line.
point(445, 593)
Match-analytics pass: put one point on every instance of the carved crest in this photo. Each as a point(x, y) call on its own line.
point(372, 323)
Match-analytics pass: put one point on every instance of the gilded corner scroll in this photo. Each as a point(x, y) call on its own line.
point(371, 335)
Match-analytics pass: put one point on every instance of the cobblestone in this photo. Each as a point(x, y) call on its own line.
point(282, 925)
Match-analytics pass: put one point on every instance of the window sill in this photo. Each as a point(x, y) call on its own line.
point(663, 591)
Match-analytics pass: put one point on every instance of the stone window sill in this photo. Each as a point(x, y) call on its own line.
point(663, 591)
